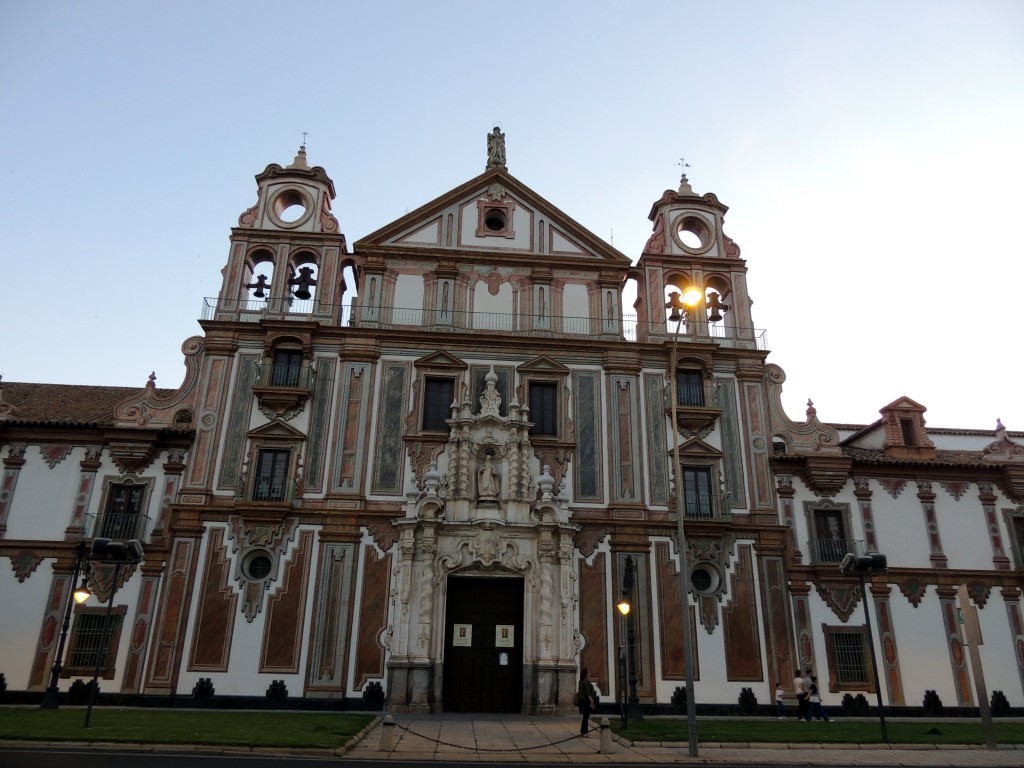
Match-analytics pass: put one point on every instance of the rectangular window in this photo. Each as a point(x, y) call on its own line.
point(1017, 530)
point(121, 516)
point(831, 543)
point(543, 408)
point(271, 481)
point(690, 389)
point(92, 639)
point(849, 658)
point(697, 492)
point(286, 368)
point(438, 394)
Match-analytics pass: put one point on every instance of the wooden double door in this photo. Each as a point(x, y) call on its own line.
point(483, 644)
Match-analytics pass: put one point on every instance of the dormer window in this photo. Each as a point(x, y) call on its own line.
point(907, 429)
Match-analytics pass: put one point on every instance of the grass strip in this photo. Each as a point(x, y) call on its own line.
point(318, 730)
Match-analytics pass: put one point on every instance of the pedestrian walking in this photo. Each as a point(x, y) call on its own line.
point(780, 708)
point(814, 708)
point(586, 697)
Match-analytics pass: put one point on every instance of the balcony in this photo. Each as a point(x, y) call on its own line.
point(282, 389)
point(117, 526)
point(833, 550)
point(451, 321)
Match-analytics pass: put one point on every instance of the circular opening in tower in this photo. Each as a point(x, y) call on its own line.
point(494, 220)
point(290, 206)
point(257, 565)
point(693, 233)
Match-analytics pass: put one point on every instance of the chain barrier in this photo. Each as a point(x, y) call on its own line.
point(489, 749)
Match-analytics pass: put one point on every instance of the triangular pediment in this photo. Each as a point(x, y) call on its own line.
point(524, 224)
point(696, 448)
point(903, 404)
point(277, 429)
point(440, 361)
point(543, 364)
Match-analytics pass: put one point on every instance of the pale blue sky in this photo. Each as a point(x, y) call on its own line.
point(871, 154)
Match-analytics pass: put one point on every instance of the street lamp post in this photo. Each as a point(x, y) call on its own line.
point(680, 308)
point(117, 553)
point(860, 565)
point(51, 699)
point(624, 608)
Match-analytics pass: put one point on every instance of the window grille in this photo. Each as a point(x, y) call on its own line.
point(89, 642)
point(850, 659)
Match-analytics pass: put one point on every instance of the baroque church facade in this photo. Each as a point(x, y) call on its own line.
point(440, 484)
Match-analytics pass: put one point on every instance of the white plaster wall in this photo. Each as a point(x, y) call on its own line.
point(998, 655)
point(44, 498)
point(484, 304)
point(923, 652)
point(962, 529)
point(900, 527)
point(576, 304)
point(18, 637)
point(408, 295)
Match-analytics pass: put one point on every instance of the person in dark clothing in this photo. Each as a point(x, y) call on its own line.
point(801, 696)
point(586, 697)
point(814, 708)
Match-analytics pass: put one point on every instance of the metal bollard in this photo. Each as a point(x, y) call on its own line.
point(606, 736)
point(387, 734)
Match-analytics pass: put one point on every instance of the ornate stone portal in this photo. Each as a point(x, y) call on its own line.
point(487, 509)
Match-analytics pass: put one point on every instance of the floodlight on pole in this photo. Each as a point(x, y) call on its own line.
point(680, 309)
point(861, 565)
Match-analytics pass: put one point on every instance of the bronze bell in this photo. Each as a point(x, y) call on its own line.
point(716, 307)
point(303, 281)
point(260, 285)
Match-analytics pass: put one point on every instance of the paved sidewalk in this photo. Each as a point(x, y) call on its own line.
point(524, 739)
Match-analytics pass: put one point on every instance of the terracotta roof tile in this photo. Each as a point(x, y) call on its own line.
point(62, 403)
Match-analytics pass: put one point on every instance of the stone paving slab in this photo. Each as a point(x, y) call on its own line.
point(520, 739)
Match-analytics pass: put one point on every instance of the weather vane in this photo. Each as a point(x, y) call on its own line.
point(683, 164)
point(304, 135)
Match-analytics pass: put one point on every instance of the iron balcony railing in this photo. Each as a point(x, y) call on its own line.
point(690, 395)
point(834, 550)
point(272, 489)
point(453, 321)
point(298, 376)
point(118, 526)
point(706, 507)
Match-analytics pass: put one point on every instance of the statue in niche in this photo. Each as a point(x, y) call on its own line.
point(488, 484)
point(496, 148)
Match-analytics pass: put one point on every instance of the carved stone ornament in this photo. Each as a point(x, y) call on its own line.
point(384, 534)
point(23, 563)
point(841, 597)
point(913, 589)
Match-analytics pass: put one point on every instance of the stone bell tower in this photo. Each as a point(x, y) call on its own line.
point(688, 249)
point(287, 251)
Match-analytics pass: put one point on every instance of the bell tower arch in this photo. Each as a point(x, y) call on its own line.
point(287, 253)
